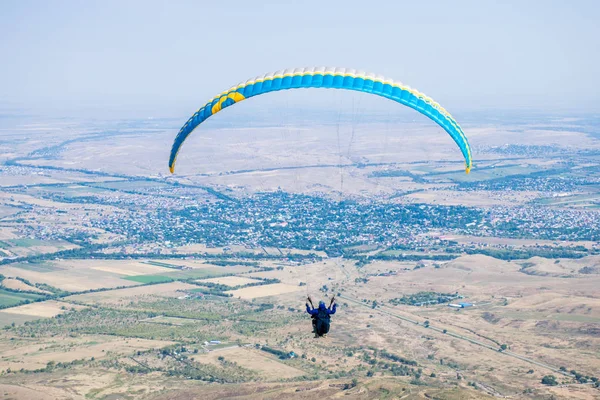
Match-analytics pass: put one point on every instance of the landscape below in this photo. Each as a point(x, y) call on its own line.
point(118, 281)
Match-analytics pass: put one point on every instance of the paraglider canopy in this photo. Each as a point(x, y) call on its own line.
point(329, 78)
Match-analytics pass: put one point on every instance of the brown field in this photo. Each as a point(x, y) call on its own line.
point(268, 367)
point(126, 268)
point(44, 309)
point(171, 289)
point(264, 291)
point(230, 280)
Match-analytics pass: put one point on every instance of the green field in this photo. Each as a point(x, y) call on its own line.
point(148, 279)
point(161, 264)
point(176, 276)
point(10, 299)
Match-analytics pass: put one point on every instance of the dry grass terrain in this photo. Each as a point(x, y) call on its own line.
point(268, 367)
point(45, 309)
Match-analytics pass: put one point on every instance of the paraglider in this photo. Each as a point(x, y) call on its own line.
point(329, 78)
point(321, 316)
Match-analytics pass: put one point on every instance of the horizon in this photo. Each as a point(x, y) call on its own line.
point(109, 57)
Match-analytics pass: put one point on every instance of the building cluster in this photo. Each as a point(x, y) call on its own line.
point(140, 213)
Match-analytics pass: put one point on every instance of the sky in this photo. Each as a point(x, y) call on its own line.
point(169, 57)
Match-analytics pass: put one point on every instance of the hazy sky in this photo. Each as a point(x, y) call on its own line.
point(174, 55)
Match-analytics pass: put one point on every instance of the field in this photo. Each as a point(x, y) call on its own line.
point(198, 273)
point(127, 268)
point(264, 291)
point(8, 299)
point(45, 309)
point(230, 280)
point(65, 275)
point(269, 368)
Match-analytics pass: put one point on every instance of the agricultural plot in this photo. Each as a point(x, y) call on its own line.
point(150, 279)
point(197, 273)
point(67, 275)
point(231, 280)
point(44, 309)
point(10, 299)
point(264, 291)
point(127, 268)
point(268, 367)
